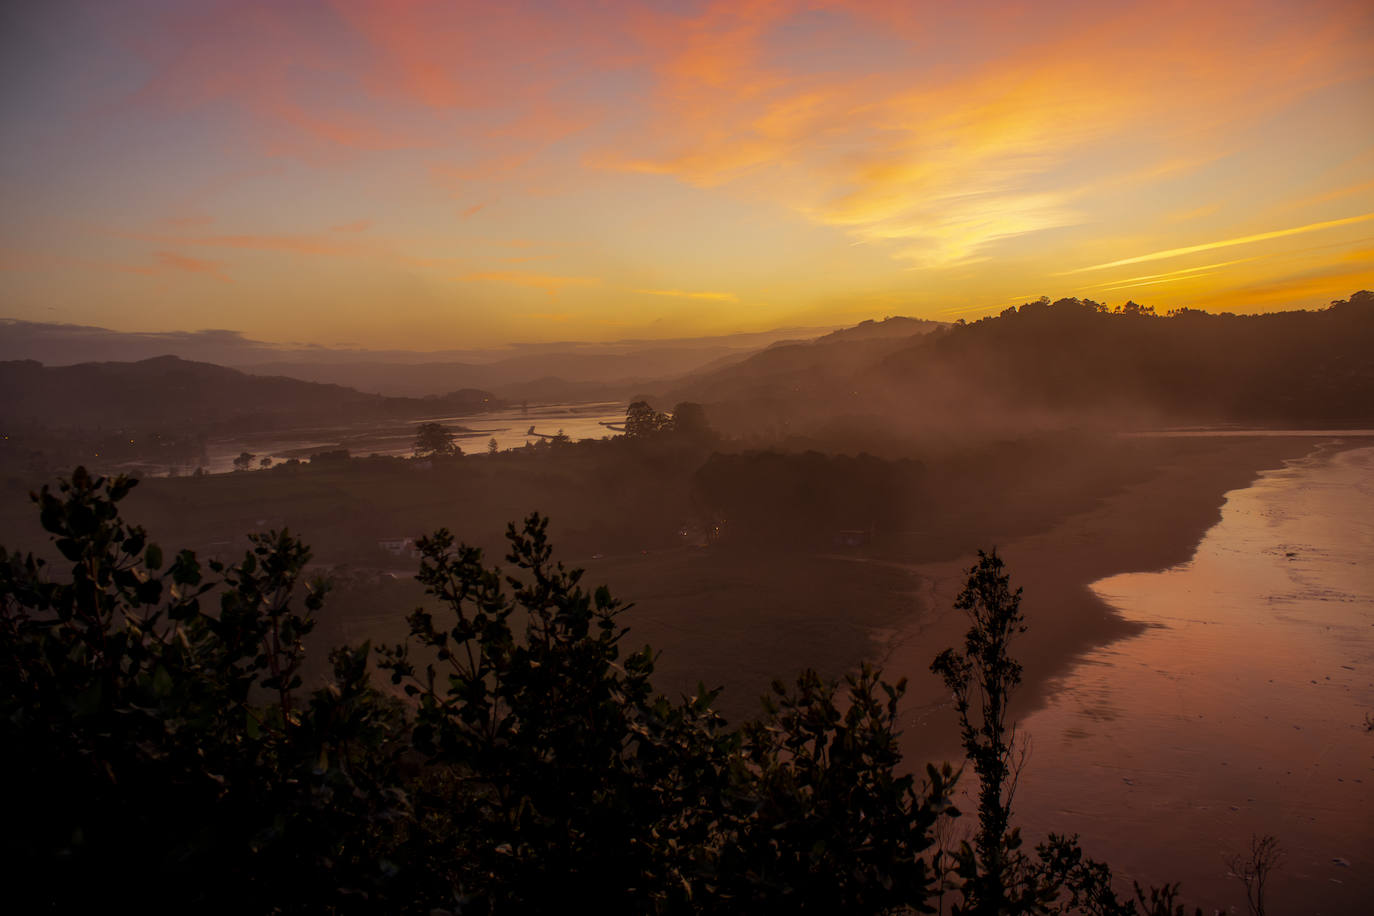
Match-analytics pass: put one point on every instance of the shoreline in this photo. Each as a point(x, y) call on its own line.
point(1149, 526)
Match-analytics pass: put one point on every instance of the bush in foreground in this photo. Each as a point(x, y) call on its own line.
point(162, 751)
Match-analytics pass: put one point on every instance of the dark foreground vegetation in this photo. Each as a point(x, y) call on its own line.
point(163, 752)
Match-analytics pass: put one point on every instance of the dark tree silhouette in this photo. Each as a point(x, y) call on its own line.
point(642, 421)
point(435, 440)
point(994, 875)
point(981, 679)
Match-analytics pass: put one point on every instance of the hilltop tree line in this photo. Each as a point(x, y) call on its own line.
point(1072, 354)
point(163, 752)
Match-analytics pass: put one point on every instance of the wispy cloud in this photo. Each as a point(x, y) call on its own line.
point(174, 261)
point(548, 283)
point(690, 294)
point(1226, 243)
point(171, 261)
point(1169, 277)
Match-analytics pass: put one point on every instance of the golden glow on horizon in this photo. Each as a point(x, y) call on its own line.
point(430, 175)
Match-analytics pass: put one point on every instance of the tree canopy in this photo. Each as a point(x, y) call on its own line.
point(642, 421)
point(435, 440)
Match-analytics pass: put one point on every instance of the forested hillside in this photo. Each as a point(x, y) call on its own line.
point(1064, 363)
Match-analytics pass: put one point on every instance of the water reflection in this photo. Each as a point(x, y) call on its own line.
point(509, 427)
point(1240, 709)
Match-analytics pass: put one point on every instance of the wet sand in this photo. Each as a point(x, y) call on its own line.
point(1153, 525)
point(1150, 525)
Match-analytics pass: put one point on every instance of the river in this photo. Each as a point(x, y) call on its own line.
point(1240, 710)
point(509, 427)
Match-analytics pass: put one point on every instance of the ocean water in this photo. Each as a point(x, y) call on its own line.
point(1239, 711)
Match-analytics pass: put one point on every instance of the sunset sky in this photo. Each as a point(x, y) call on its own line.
point(428, 175)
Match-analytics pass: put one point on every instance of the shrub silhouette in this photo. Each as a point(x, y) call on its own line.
point(162, 749)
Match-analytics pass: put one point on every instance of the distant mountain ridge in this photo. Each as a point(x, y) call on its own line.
point(1067, 361)
point(532, 371)
point(170, 392)
point(547, 376)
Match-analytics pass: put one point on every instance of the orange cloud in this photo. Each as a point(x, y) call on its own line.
point(416, 55)
point(938, 161)
point(171, 261)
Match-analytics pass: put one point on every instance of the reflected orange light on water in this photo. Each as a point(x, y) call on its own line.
point(1239, 709)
